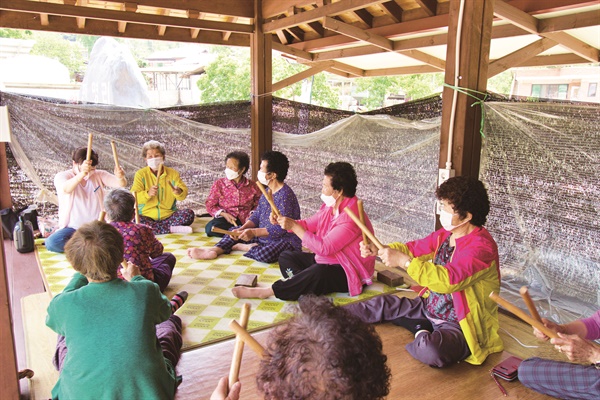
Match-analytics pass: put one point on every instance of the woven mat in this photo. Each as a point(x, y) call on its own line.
point(210, 305)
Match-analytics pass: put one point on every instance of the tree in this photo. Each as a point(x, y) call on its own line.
point(15, 33)
point(54, 46)
point(501, 83)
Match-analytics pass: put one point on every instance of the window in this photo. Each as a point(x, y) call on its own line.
point(592, 89)
point(550, 91)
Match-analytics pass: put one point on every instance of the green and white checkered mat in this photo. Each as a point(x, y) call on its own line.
point(210, 305)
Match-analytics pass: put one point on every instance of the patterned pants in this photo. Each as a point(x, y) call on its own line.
point(162, 267)
point(445, 346)
point(560, 379)
point(178, 218)
point(265, 252)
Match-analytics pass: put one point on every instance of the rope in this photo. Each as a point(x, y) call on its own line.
point(479, 101)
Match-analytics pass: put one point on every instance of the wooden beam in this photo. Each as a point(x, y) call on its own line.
point(315, 69)
point(555, 59)
point(261, 102)
point(516, 16)
point(364, 16)
point(473, 54)
point(392, 9)
point(577, 46)
point(317, 28)
point(417, 69)
point(234, 8)
point(297, 33)
point(282, 38)
point(124, 16)
point(226, 35)
point(18, 20)
point(303, 55)
point(349, 52)
point(329, 10)
point(518, 57)
point(357, 33)
point(424, 57)
point(44, 19)
point(429, 6)
point(572, 21)
point(272, 8)
point(358, 72)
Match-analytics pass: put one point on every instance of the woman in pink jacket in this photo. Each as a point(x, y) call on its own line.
point(335, 264)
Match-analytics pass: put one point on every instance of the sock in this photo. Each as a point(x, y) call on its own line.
point(180, 229)
point(178, 300)
point(414, 325)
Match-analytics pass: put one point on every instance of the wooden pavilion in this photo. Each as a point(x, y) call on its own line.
point(470, 40)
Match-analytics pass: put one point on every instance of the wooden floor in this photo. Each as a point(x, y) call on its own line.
point(202, 368)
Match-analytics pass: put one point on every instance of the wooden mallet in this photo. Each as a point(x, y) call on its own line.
point(88, 156)
point(529, 303)
point(102, 216)
point(269, 199)
point(225, 232)
point(161, 166)
point(361, 215)
point(238, 350)
point(521, 314)
point(247, 338)
point(363, 228)
point(115, 156)
point(136, 211)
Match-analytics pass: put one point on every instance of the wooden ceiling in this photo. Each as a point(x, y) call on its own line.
point(352, 38)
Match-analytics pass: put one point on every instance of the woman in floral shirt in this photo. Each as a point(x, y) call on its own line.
point(141, 246)
point(232, 198)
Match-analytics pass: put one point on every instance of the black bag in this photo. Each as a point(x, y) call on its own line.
point(23, 236)
point(30, 214)
point(9, 220)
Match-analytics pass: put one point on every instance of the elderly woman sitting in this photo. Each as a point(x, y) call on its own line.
point(334, 264)
point(158, 195)
point(232, 198)
point(458, 268)
point(141, 246)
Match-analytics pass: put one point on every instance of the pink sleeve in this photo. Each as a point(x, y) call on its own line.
point(341, 235)
point(310, 224)
point(593, 326)
point(424, 246)
point(212, 201)
point(109, 179)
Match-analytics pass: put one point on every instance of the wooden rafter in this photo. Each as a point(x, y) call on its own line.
point(365, 17)
point(429, 6)
point(392, 9)
point(517, 58)
point(313, 70)
point(226, 35)
point(417, 69)
point(296, 53)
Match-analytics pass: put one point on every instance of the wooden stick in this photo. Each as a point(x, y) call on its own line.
point(89, 149)
point(269, 199)
point(136, 212)
point(115, 156)
point(238, 350)
point(102, 216)
point(529, 303)
point(521, 314)
point(161, 166)
point(219, 230)
point(363, 228)
point(247, 338)
point(361, 215)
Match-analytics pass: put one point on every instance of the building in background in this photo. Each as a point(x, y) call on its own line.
point(562, 83)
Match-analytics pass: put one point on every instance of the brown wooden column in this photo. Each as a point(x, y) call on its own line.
point(474, 58)
point(262, 101)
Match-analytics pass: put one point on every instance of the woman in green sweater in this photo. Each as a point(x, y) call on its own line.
point(108, 327)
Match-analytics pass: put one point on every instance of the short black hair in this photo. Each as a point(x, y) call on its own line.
point(119, 205)
point(343, 177)
point(466, 194)
point(242, 159)
point(277, 163)
point(80, 155)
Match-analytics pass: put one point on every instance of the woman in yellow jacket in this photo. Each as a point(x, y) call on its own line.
point(453, 319)
point(157, 196)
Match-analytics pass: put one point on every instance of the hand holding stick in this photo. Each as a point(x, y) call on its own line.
point(235, 234)
point(361, 215)
point(238, 350)
point(529, 303)
point(247, 338)
point(363, 228)
point(519, 313)
point(269, 199)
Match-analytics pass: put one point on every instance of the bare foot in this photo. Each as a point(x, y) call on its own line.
point(202, 254)
point(242, 292)
point(243, 246)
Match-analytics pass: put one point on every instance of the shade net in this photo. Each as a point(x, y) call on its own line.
point(539, 162)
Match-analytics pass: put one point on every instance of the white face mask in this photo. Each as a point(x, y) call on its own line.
point(262, 178)
point(231, 174)
point(328, 200)
point(153, 163)
point(446, 221)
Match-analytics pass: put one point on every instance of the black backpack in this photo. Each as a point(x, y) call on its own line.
point(23, 236)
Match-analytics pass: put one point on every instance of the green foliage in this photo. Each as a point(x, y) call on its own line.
point(54, 46)
point(414, 87)
point(227, 78)
point(501, 83)
point(15, 33)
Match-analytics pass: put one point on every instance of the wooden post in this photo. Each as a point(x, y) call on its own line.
point(5, 198)
point(9, 383)
point(474, 58)
point(261, 114)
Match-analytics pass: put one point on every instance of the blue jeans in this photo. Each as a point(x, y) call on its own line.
point(56, 242)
